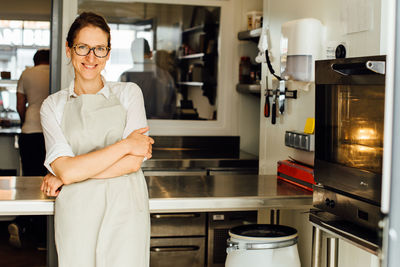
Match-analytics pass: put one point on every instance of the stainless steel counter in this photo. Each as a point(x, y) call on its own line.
point(22, 196)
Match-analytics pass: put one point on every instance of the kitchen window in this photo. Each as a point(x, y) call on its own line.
point(122, 35)
point(179, 75)
point(19, 40)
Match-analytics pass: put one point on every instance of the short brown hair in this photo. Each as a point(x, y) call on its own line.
point(87, 19)
point(42, 56)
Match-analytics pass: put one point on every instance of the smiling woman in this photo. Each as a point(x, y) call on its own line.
point(96, 140)
point(88, 66)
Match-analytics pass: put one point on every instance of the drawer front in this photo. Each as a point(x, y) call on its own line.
point(178, 224)
point(177, 252)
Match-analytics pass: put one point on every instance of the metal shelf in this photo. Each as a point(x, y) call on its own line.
point(193, 29)
point(191, 83)
point(250, 35)
point(8, 82)
point(198, 55)
point(248, 88)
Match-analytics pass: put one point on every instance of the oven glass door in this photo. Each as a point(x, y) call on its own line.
point(357, 127)
point(349, 138)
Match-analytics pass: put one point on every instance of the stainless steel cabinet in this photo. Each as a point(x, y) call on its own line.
point(178, 239)
point(9, 157)
point(177, 252)
point(178, 224)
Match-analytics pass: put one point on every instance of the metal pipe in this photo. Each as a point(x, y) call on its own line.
point(332, 252)
point(272, 216)
point(316, 249)
point(52, 258)
point(277, 217)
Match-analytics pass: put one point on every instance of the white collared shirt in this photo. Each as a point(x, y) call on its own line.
point(51, 114)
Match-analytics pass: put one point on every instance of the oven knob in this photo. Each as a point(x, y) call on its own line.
point(327, 201)
point(332, 204)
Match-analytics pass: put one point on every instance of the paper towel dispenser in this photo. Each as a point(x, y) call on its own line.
point(301, 45)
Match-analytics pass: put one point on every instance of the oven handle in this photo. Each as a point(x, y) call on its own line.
point(184, 215)
point(369, 67)
point(174, 248)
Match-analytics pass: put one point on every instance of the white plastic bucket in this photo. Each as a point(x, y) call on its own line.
point(262, 245)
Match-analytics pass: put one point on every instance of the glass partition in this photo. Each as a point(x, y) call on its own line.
point(170, 51)
point(19, 40)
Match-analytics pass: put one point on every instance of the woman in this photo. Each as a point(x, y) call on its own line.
point(95, 144)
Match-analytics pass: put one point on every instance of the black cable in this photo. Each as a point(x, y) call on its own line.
point(270, 66)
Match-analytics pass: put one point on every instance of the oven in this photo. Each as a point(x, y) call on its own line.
point(349, 119)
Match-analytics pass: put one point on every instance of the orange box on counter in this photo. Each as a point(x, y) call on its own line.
point(295, 173)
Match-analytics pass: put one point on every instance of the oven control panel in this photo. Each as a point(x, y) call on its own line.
point(350, 209)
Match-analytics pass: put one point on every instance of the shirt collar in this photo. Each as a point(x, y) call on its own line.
point(103, 91)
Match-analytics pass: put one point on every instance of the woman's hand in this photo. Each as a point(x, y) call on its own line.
point(139, 143)
point(51, 185)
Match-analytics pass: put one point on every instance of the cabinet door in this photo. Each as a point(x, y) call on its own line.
point(178, 224)
point(9, 156)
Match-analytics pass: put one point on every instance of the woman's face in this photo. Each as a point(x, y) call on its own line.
point(88, 67)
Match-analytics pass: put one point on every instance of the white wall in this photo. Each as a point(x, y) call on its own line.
point(247, 106)
point(333, 16)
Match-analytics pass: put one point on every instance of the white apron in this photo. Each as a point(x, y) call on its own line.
point(100, 222)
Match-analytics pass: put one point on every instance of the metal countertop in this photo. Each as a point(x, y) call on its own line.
point(177, 159)
point(22, 195)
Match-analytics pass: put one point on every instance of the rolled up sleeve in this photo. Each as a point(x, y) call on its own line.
point(55, 141)
point(132, 99)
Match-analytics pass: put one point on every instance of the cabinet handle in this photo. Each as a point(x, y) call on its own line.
point(174, 248)
point(185, 215)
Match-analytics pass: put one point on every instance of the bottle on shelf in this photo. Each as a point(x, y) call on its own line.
point(244, 70)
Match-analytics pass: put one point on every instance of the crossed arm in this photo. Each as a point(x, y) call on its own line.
point(123, 157)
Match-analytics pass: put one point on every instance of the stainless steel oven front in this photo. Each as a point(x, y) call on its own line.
point(349, 116)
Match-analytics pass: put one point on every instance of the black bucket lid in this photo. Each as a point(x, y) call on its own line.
point(268, 232)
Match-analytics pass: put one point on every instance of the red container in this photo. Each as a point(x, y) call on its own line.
point(297, 174)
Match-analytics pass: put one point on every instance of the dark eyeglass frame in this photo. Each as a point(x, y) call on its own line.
point(91, 49)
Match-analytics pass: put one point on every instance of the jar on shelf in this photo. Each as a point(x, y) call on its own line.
point(244, 70)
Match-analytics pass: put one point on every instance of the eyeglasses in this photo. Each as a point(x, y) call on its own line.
point(84, 50)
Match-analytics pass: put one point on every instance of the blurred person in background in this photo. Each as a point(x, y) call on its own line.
point(32, 89)
point(157, 84)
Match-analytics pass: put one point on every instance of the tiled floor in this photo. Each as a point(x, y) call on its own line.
point(27, 256)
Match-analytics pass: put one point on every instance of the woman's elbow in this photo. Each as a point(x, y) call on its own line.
point(65, 176)
point(66, 181)
point(63, 170)
point(136, 168)
point(135, 163)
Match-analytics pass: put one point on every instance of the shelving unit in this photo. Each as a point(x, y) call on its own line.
point(193, 29)
point(198, 62)
point(191, 83)
point(249, 88)
point(253, 36)
point(191, 56)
